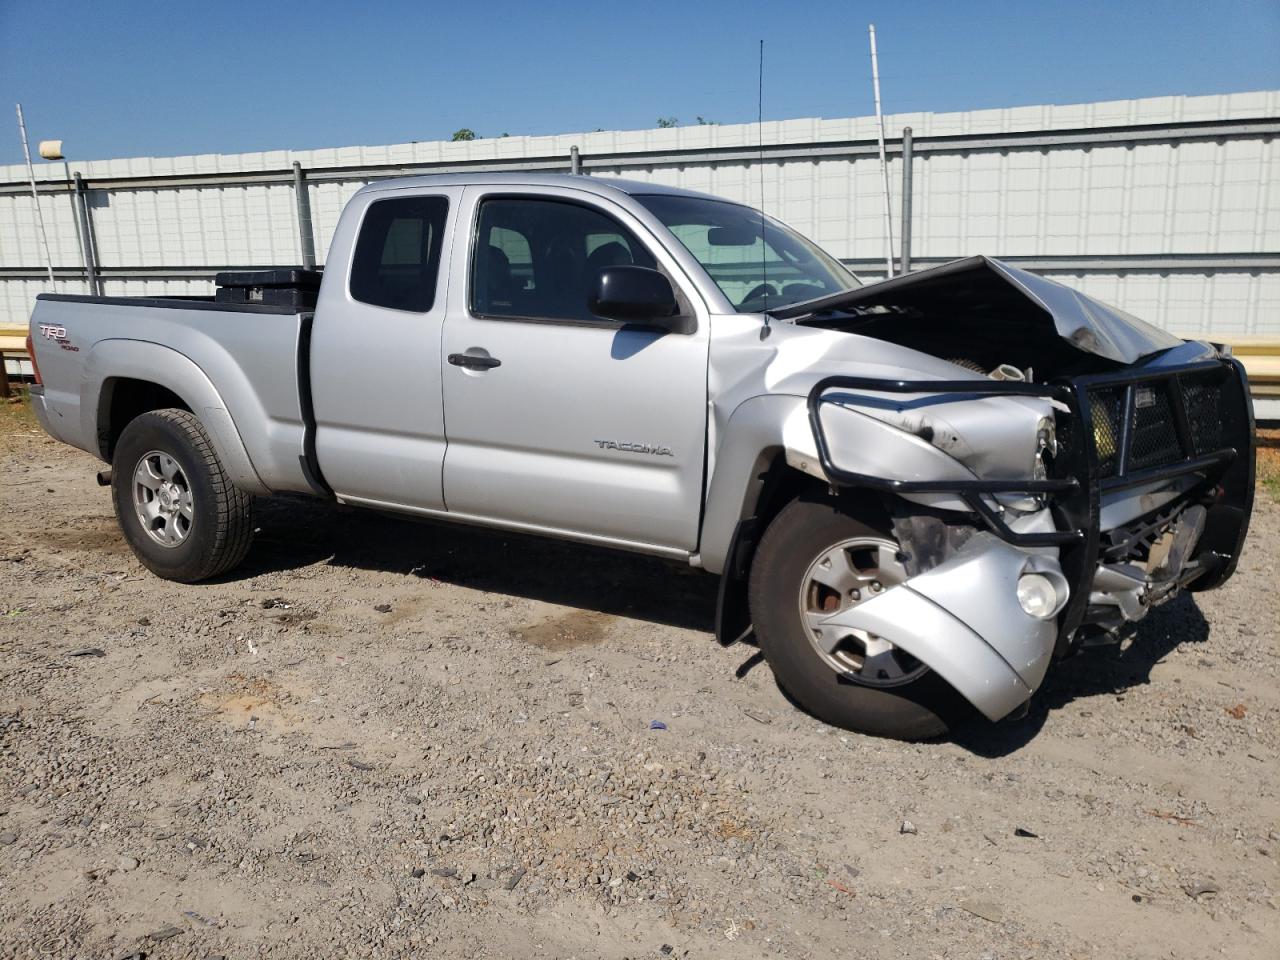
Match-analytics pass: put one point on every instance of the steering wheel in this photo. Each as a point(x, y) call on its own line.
point(761, 292)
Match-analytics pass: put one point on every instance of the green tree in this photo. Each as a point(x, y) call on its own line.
point(665, 122)
point(466, 133)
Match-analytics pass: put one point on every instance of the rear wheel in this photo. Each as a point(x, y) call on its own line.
point(178, 509)
point(814, 561)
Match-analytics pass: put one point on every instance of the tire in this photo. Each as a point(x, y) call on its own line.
point(915, 705)
point(179, 511)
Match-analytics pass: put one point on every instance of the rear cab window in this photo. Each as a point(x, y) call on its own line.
point(397, 255)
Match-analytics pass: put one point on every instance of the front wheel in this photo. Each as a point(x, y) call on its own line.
point(815, 560)
point(176, 505)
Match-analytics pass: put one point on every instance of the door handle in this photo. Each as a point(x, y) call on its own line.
point(472, 362)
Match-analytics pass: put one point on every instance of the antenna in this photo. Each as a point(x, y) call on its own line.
point(764, 267)
point(884, 164)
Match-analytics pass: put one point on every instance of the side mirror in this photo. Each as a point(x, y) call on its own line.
point(637, 295)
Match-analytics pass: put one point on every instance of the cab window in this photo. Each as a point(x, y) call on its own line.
point(540, 259)
point(397, 255)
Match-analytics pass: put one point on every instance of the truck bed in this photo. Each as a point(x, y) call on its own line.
point(180, 303)
point(243, 362)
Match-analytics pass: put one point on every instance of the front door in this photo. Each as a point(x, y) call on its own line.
point(558, 420)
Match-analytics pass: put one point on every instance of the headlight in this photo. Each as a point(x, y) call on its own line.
point(1046, 437)
point(1104, 438)
point(1046, 445)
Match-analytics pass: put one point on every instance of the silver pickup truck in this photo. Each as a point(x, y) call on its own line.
point(917, 493)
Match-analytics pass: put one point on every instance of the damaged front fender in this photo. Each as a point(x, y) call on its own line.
point(964, 620)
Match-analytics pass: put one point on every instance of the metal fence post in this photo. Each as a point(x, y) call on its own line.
point(87, 251)
point(905, 259)
point(75, 220)
point(306, 236)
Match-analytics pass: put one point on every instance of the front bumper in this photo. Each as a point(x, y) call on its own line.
point(1185, 427)
point(963, 619)
point(1146, 428)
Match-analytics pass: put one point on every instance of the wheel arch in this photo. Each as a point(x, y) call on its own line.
point(124, 399)
point(766, 459)
point(126, 378)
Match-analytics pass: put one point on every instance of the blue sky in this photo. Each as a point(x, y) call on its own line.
point(138, 78)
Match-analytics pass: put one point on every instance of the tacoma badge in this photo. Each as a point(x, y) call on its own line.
point(653, 449)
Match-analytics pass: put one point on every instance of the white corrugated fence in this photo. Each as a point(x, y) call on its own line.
point(1168, 207)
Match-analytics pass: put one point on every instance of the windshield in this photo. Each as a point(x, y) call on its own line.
point(756, 273)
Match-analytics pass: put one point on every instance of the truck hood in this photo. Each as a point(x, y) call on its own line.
point(981, 285)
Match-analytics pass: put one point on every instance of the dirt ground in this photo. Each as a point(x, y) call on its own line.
point(388, 739)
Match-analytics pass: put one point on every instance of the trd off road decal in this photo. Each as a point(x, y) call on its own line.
point(58, 334)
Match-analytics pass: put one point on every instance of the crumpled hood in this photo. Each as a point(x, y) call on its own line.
point(1087, 324)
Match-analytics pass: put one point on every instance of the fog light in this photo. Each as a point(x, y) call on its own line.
point(1037, 595)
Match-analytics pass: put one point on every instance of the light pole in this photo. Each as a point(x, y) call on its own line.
point(52, 150)
point(35, 197)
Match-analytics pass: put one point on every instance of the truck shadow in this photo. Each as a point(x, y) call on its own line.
point(1095, 672)
point(298, 533)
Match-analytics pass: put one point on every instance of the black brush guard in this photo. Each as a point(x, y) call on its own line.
point(1123, 430)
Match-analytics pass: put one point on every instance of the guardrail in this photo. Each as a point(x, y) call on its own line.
point(1261, 359)
point(10, 342)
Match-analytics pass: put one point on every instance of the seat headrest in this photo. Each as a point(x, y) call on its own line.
point(611, 254)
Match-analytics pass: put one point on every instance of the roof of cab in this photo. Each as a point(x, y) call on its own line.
point(602, 186)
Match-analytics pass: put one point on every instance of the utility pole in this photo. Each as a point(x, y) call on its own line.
point(884, 163)
point(904, 261)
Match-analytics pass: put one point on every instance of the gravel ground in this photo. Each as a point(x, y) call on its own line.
point(388, 739)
